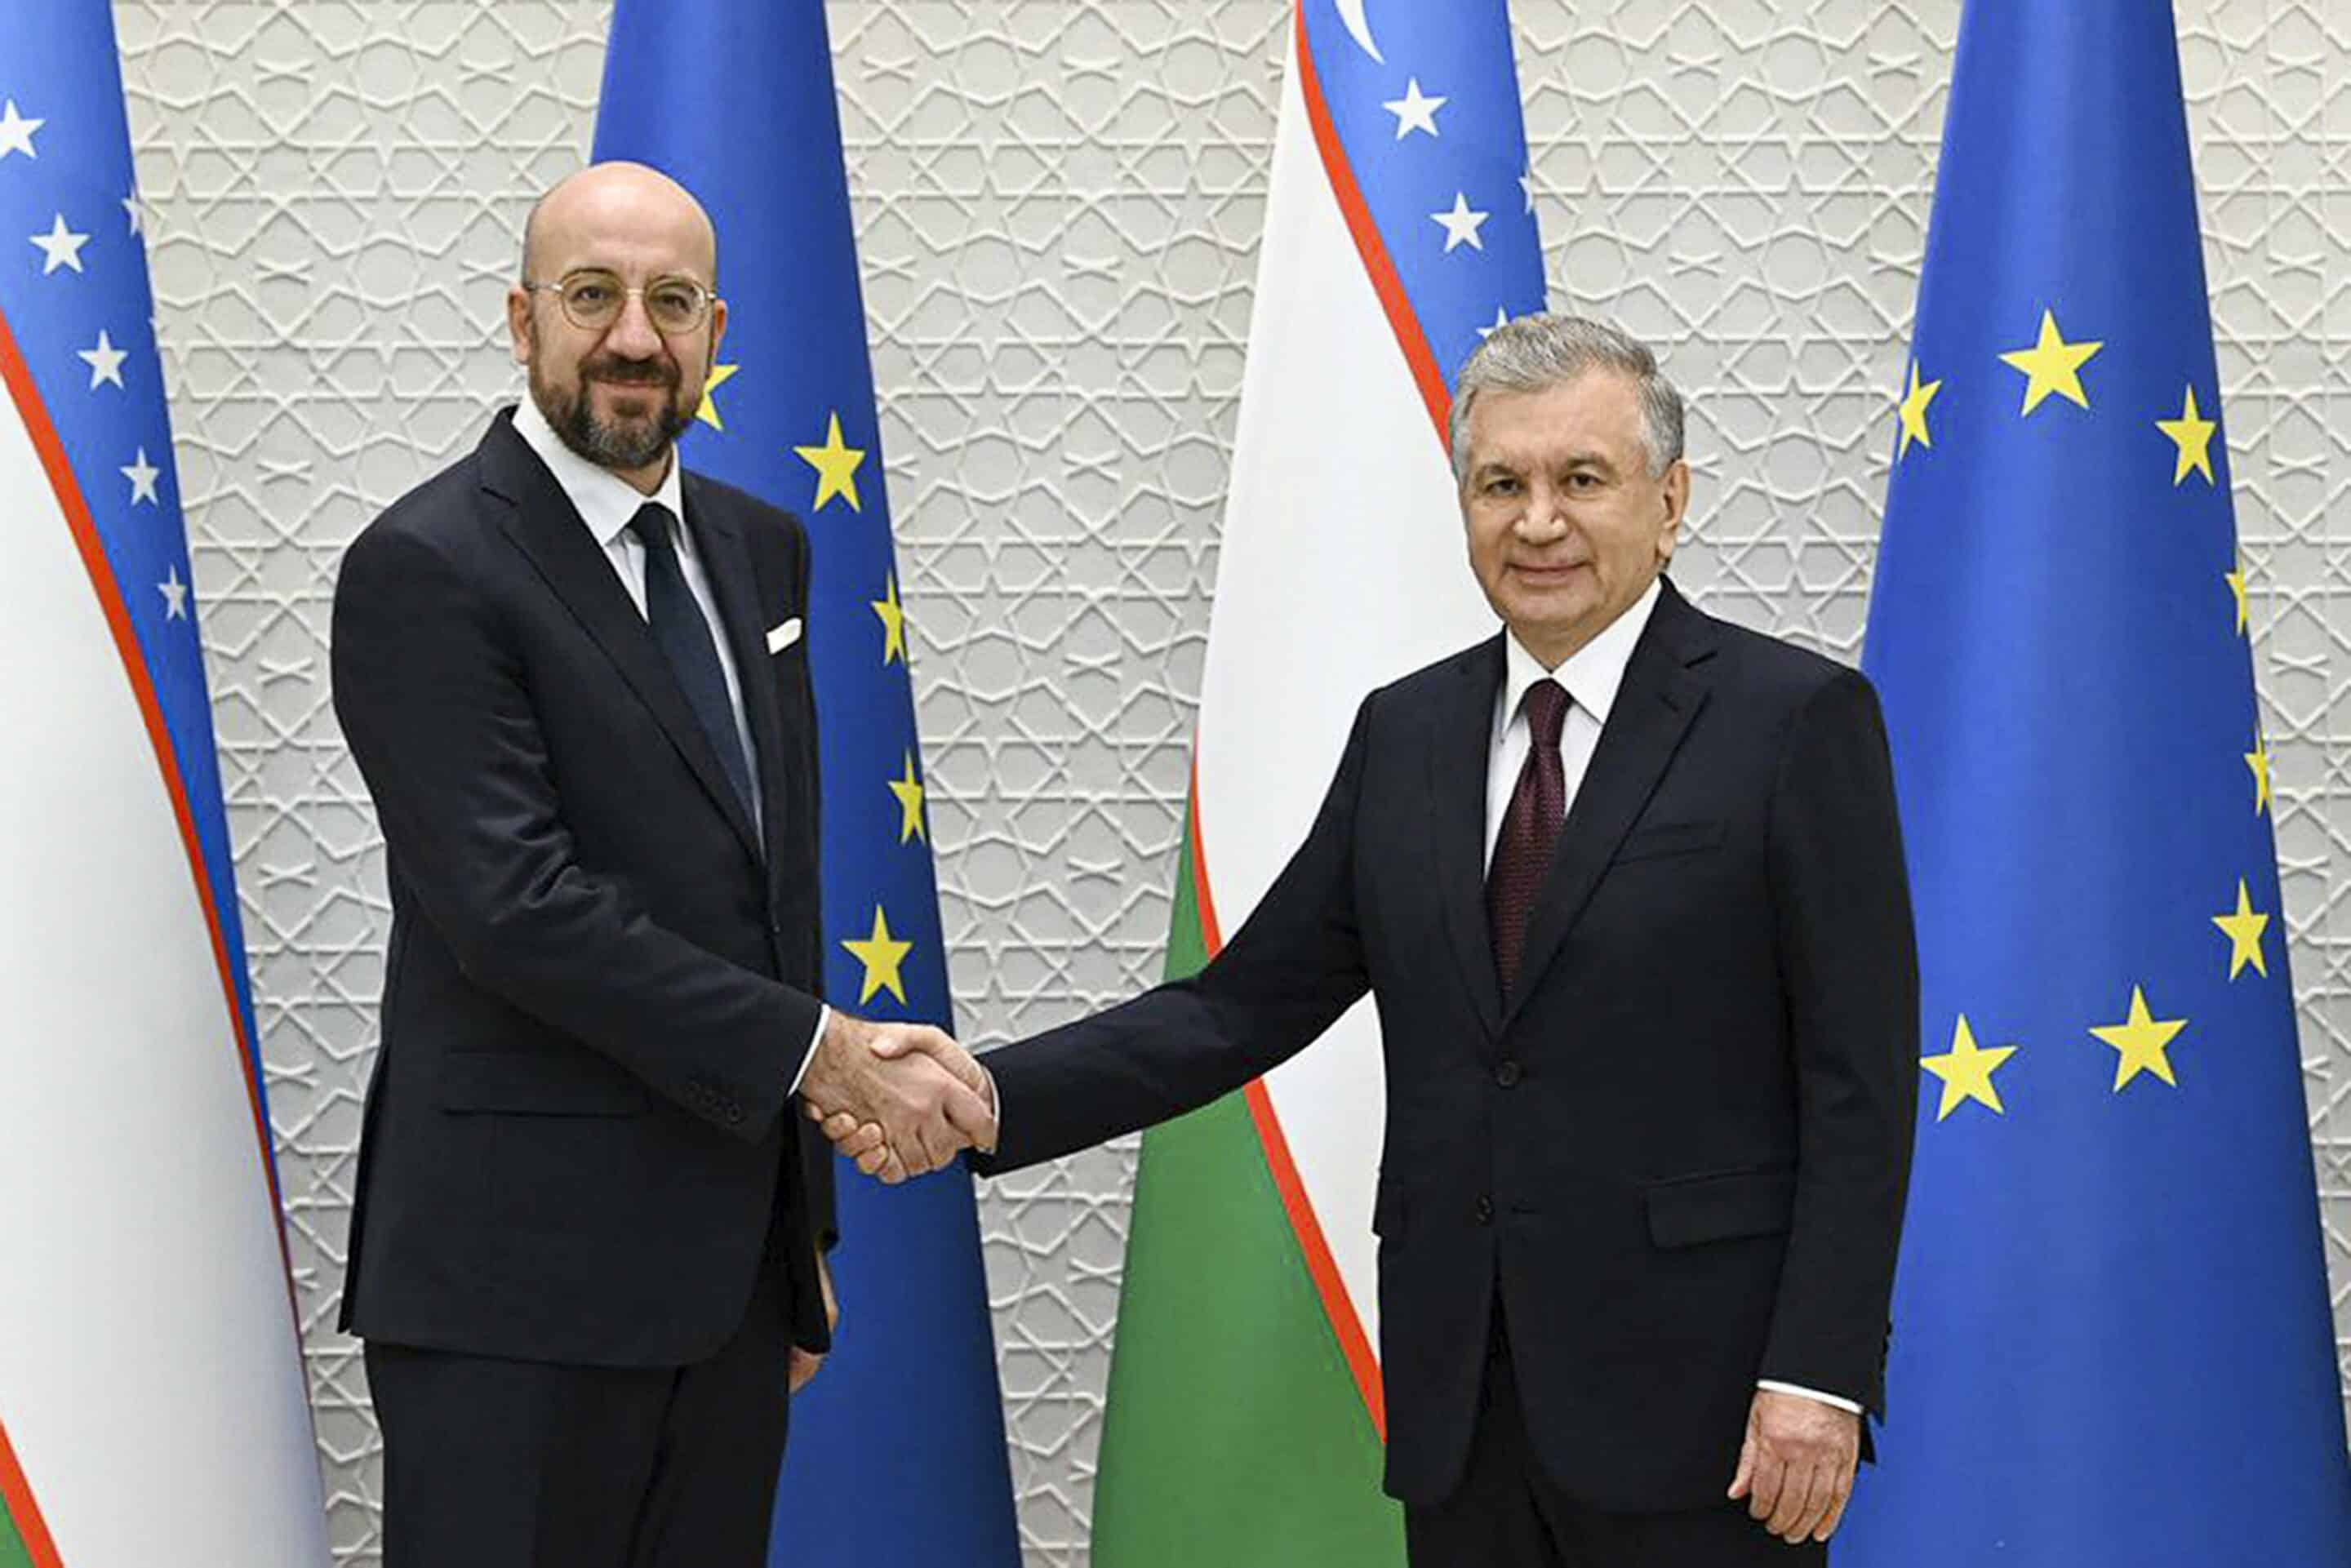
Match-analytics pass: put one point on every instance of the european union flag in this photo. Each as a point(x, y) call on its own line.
point(2112, 1342)
point(897, 1448)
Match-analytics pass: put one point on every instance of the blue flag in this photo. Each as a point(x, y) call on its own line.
point(2112, 1342)
point(897, 1453)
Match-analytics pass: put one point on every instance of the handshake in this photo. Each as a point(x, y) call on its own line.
point(900, 1099)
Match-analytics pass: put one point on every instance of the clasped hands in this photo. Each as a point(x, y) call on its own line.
point(900, 1099)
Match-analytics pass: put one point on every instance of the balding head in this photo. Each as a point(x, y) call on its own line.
point(620, 389)
point(616, 201)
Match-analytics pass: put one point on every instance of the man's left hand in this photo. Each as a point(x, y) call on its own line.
point(1796, 1468)
point(806, 1363)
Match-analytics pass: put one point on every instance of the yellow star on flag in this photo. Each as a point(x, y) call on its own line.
point(881, 954)
point(910, 804)
point(894, 621)
point(1965, 1070)
point(2192, 434)
point(2244, 930)
point(2142, 1039)
point(836, 467)
point(2258, 759)
point(1914, 414)
point(708, 412)
point(2052, 365)
point(2236, 581)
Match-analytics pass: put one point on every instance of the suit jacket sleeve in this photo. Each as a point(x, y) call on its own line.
point(437, 707)
point(1842, 903)
point(1283, 979)
point(817, 1158)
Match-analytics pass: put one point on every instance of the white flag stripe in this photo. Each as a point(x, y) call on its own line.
point(1341, 567)
point(151, 1382)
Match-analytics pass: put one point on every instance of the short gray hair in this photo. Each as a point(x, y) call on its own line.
point(1535, 353)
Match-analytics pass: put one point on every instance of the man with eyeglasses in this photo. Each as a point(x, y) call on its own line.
point(587, 1233)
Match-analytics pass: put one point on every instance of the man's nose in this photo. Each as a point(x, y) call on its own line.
point(633, 336)
point(1544, 520)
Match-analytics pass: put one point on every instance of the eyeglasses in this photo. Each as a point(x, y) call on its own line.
point(592, 299)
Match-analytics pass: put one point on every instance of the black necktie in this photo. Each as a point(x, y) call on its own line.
point(1529, 830)
point(683, 637)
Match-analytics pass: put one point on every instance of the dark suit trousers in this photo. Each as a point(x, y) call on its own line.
point(1509, 1513)
point(490, 1463)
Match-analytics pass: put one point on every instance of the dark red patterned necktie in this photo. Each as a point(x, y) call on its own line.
point(1529, 830)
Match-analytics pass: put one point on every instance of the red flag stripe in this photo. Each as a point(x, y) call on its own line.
point(1346, 1326)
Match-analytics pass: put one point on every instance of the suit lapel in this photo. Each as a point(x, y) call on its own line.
point(540, 520)
point(1661, 695)
point(735, 583)
point(1458, 757)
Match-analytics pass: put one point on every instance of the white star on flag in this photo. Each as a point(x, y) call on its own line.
point(1527, 184)
point(142, 476)
point(131, 210)
point(1460, 225)
point(1502, 319)
point(175, 595)
point(16, 132)
point(105, 362)
point(1412, 112)
point(60, 247)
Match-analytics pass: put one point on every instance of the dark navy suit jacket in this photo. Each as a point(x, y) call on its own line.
point(1678, 1150)
point(602, 982)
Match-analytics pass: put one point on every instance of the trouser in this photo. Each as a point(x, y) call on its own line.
point(490, 1463)
point(1509, 1513)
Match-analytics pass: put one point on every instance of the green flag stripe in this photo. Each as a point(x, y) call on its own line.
point(12, 1553)
point(1235, 1432)
point(21, 1528)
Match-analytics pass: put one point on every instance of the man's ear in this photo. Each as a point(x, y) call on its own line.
point(518, 324)
point(1676, 490)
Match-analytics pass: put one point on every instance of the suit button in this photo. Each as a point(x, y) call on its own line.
point(734, 1113)
point(1506, 1075)
point(1485, 1211)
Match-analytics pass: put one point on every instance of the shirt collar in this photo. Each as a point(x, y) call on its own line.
point(1590, 675)
point(605, 502)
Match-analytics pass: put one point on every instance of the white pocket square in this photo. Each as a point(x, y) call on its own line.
point(783, 636)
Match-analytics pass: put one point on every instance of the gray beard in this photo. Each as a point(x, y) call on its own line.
point(607, 445)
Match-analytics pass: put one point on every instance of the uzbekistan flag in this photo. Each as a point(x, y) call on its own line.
point(1245, 1424)
point(152, 1400)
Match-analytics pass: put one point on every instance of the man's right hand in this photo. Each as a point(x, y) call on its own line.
point(898, 1079)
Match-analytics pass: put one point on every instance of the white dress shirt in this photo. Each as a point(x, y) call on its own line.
point(607, 503)
point(1592, 675)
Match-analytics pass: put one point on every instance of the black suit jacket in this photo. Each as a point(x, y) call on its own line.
point(600, 983)
point(1678, 1149)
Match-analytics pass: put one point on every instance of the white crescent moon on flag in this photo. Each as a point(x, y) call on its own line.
point(1352, 12)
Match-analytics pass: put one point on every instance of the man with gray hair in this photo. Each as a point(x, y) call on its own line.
point(1627, 886)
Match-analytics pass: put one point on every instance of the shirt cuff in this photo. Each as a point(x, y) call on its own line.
point(995, 1107)
point(1847, 1405)
point(823, 1017)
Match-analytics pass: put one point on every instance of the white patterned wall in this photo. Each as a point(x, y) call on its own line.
point(1060, 204)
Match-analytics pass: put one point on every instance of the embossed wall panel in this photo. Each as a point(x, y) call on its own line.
point(1059, 206)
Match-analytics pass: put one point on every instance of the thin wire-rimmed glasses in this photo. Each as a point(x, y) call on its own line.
point(592, 299)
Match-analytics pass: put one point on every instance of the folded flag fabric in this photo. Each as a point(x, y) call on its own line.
point(735, 99)
point(153, 1407)
point(2111, 1333)
point(1245, 1422)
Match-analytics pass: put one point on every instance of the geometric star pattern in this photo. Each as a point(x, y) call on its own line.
point(1058, 512)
